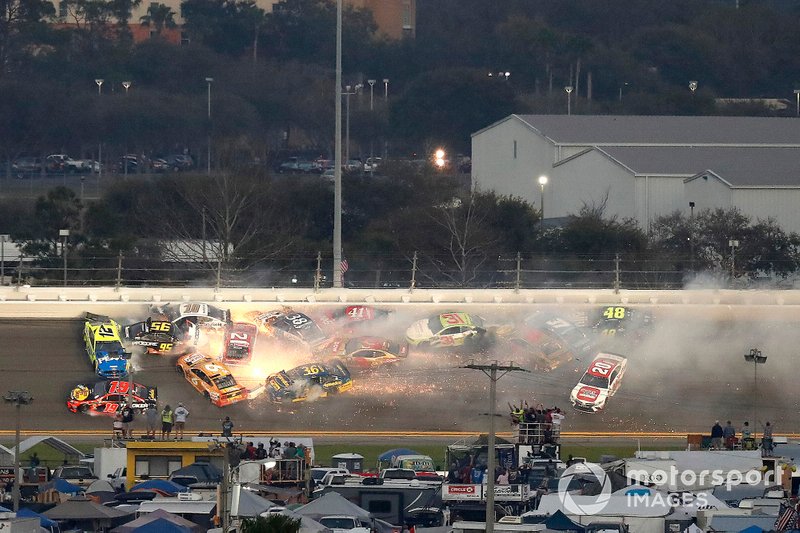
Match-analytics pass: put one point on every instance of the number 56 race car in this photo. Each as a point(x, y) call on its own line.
point(159, 337)
point(107, 397)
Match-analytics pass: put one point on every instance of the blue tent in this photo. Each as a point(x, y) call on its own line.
point(161, 525)
point(159, 485)
point(4, 510)
point(387, 455)
point(43, 520)
point(62, 485)
point(752, 529)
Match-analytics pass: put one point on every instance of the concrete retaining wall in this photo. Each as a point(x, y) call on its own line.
point(66, 302)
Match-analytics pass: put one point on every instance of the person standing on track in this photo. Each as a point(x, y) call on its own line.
point(181, 413)
point(167, 419)
point(227, 427)
point(716, 436)
point(151, 414)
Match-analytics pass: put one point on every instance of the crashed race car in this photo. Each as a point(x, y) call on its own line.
point(542, 327)
point(621, 321)
point(309, 382)
point(108, 397)
point(212, 379)
point(365, 353)
point(353, 318)
point(291, 326)
point(190, 318)
point(101, 336)
point(159, 337)
point(240, 339)
point(446, 330)
point(599, 383)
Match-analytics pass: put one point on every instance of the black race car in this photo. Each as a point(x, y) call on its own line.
point(159, 337)
point(291, 326)
point(621, 321)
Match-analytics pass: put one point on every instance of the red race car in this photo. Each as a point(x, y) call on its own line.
point(240, 339)
point(369, 352)
point(107, 397)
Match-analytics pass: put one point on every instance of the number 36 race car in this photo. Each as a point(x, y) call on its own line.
point(599, 383)
point(107, 397)
point(311, 381)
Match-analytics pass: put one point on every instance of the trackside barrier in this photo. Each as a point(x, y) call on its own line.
point(70, 302)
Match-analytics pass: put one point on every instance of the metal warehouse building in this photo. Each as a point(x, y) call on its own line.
point(642, 167)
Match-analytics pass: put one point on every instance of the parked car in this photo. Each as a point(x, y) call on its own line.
point(179, 162)
point(27, 165)
point(62, 163)
point(80, 475)
point(128, 164)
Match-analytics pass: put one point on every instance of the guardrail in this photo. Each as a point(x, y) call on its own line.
point(72, 302)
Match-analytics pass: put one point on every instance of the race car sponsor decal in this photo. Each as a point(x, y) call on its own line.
point(602, 368)
point(588, 394)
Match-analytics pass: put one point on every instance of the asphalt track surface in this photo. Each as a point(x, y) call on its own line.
point(687, 372)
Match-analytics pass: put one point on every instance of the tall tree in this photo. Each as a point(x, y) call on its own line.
point(159, 16)
point(21, 21)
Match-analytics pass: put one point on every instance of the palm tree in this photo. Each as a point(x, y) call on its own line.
point(160, 16)
point(274, 523)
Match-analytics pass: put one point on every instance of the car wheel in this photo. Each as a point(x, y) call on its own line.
point(178, 369)
point(83, 408)
point(207, 396)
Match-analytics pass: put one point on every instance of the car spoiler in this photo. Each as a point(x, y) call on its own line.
point(130, 331)
point(92, 317)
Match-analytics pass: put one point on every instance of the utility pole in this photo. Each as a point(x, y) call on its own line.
point(491, 371)
point(318, 273)
point(413, 272)
point(519, 271)
point(616, 274)
point(18, 398)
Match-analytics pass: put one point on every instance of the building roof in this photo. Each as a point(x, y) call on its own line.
point(635, 130)
point(737, 166)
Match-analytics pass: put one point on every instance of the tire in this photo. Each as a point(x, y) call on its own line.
point(83, 408)
point(178, 369)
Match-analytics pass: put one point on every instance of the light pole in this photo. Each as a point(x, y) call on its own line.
point(99, 82)
point(691, 234)
point(18, 398)
point(208, 139)
point(371, 99)
point(542, 183)
point(693, 87)
point(385, 89)
point(756, 358)
point(625, 84)
point(734, 244)
point(127, 86)
point(568, 89)
point(337, 171)
point(3, 240)
point(64, 233)
point(797, 96)
point(348, 91)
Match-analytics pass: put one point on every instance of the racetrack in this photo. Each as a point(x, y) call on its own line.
point(689, 372)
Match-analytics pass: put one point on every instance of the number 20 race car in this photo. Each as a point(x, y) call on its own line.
point(107, 397)
point(600, 382)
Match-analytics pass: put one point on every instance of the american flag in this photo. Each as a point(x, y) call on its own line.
point(787, 518)
point(345, 266)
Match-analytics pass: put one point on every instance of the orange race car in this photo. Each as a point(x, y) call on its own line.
point(212, 379)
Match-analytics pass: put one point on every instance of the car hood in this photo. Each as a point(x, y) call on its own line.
point(419, 330)
point(590, 395)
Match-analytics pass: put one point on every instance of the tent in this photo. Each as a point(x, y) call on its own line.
point(333, 503)
point(43, 520)
point(101, 491)
point(161, 486)
point(307, 524)
point(248, 504)
point(157, 518)
point(752, 529)
point(81, 510)
point(61, 485)
point(161, 525)
point(202, 472)
point(558, 521)
point(387, 455)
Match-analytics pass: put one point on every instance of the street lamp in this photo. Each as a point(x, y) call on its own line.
point(64, 233)
point(438, 158)
point(568, 88)
point(3, 240)
point(127, 86)
point(99, 82)
point(691, 234)
point(542, 183)
point(756, 358)
point(371, 86)
point(625, 84)
point(385, 89)
point(797, 95)
point(734, 244)
point(693, 86)
point(18, 398)
point(337, 157)
point(208, 139)
point(348, 91)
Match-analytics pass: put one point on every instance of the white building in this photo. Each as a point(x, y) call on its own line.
point(642, 167)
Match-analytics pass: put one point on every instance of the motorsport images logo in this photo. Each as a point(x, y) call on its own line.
point(588, 505)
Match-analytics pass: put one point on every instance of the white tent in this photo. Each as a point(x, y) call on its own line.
point(248, 504)
point(333, 503)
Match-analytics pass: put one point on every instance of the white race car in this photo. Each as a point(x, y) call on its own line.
point(600, 382)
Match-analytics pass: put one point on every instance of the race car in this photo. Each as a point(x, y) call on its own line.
point(545, 354)
point(311, 381)
point(353, 318)
point(211, 378)
point(291, 326)
point(542, 326)
point(159, 337)
point(104, 346)
point(446, 330)
point(621, 321)
point(108, 397)
point(369, 352)
point(240, 339)
point(600, 382)
point(190, 318)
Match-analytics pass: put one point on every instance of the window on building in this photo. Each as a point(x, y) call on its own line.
point(406, 17)
point(157, 465)
point(62, 9)
point(515, 149)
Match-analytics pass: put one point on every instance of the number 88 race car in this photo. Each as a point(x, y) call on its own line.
point(107, 397)
point(600, 382)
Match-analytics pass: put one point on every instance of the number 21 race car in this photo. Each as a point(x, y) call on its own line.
point(107, 397)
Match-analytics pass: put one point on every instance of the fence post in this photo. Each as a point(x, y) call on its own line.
point(519, 272)
point(616, 274)
point(318, 273)
point(219, 274)
point(413, 272)
point(19, 271)
point(119, 271)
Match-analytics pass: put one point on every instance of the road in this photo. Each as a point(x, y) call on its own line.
point(689, 372)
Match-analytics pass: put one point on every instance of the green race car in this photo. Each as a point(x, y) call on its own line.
point(104, 345)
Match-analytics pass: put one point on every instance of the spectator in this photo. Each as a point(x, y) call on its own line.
point(290, 452)
point(729, 434)
point(261, 452)
point(227, 427)
point(167, 419)
point(33, 462)
point(767, 444)
point(716, 436)
point(502, 479)
point(181, 413)
point(119, 430)
point(452, 474)
point(127, 420)
point(748, 442)
point(151, 414)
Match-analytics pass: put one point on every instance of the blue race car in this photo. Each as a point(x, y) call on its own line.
point(104, 347)
point(309, 382)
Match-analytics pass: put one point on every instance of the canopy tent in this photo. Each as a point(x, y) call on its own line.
point(43, 520)
point(101, 485)
point(333, 503)
point(159, 517)
point(54, 442)
point(387, 455)
point(61, 485)
point(161, 525)
point(307, 524)
point(80, 508)
point(248, 504)
point(558, 521)
point(203, 472)
point(161, 486)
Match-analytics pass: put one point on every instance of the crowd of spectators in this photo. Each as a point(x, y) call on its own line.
point(537, 425)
